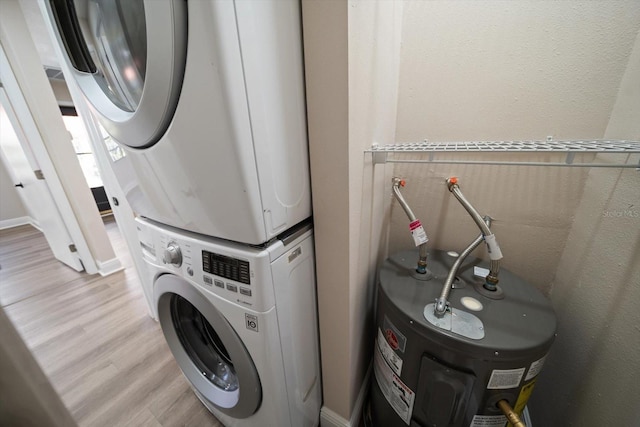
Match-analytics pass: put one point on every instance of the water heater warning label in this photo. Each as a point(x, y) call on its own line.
point(535, 368)
point(399, 396)
point(389, 355)
point(503, 379)
point(488, 421)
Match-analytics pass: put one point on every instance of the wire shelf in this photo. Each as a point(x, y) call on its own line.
point(385, 153)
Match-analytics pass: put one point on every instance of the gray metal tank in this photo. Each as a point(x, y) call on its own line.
point(452, 371)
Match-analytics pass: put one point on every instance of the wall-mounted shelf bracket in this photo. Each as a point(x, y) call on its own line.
point(465, 153)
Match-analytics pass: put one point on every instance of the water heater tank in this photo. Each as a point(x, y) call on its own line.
point(453, 370)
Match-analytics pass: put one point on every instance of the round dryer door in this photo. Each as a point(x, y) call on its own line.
point(128, 57)
point(207, 348)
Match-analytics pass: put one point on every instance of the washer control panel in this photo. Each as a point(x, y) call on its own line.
point(172, 255)
point(227, 267)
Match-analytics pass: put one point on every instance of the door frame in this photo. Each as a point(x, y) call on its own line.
point(33, 99)
point(50, 222)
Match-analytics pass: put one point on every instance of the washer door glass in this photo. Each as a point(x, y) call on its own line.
point(203, 345)
point(209, 351)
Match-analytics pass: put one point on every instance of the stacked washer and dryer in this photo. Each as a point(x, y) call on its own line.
point(206, 99)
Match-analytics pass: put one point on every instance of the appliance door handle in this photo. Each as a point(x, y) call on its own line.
point(19, 185)
point(64, 13)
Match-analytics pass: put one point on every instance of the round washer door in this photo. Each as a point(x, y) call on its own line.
point(207, 348)
point(128, 57)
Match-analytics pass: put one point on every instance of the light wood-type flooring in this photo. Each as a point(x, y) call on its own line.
point(92, 336)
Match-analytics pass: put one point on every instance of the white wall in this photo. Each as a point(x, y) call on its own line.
point(486, 70)
point(352, 62)
point(495, 70)
point(325, 30)
point(525, 70)
point(11, 206)
point(592, 376)
point(492, 70)
point(374, 65)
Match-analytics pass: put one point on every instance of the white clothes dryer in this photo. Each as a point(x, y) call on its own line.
point(241, 322)
point(206, 98)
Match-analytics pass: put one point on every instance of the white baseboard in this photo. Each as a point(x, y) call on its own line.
point(329, 418)
point(111, 266)
point(16, 222)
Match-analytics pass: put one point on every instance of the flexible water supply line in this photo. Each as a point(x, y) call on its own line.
point(495, 255)
point(422, 248)
point(443, 301)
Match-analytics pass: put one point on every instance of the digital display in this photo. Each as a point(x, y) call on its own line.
point(227, 267)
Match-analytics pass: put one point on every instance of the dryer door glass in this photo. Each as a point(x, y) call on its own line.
point(109, 40)
point(203, 345)
point(128, 57)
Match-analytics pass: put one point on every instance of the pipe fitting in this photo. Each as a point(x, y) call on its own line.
point(421, 268)
point(451, 182)
point(491, 282)
point(441, 307)
point(511, 415)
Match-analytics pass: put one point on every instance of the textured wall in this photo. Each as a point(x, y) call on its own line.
point(512, 70)
point(592, 377)
point(496, 70)
point(533, 209)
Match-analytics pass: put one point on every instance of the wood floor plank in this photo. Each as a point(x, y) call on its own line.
point(92, 336)
point(125, 395)
point(182, 410)
point(143, 419)
point(168, 395)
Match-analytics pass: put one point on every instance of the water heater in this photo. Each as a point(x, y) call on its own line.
point(457, 368)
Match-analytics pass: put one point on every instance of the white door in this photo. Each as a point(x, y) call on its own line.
point(128, 57)
point(23, 168)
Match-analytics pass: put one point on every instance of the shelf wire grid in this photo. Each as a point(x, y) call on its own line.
point(570, 148)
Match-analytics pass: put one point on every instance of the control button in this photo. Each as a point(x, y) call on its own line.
point(219, 283)
point(190, 271)
point(207, 280)
point(172, 255)
point(232, 288)
point(245, 291)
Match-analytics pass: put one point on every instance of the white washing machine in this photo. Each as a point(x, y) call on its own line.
point(241, 322)
point(207, 100)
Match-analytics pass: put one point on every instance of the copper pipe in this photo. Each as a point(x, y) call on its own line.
point(508, 411)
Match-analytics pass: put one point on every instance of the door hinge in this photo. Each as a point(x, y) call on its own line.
point(39, 174)
point(72, 248)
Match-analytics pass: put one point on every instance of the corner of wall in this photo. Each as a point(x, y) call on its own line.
point(595, 288)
